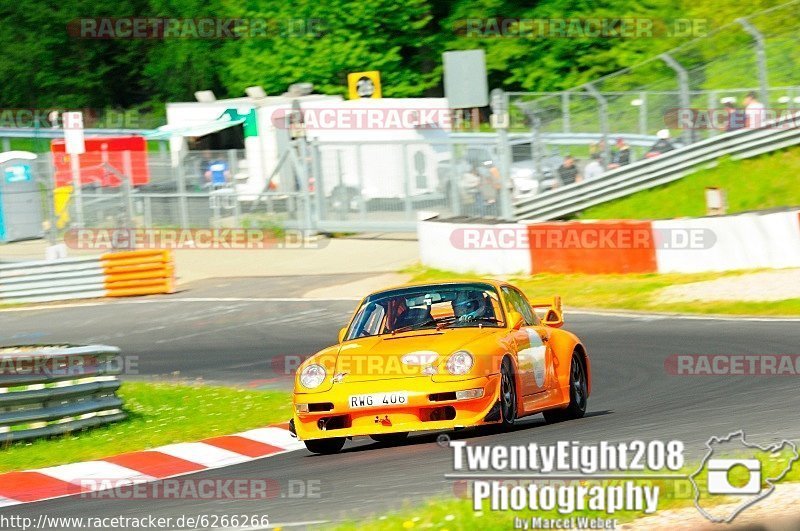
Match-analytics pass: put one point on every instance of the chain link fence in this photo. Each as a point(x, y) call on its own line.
point(758, 53)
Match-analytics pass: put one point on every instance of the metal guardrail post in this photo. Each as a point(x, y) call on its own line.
point(683, 87)
point(761, 58)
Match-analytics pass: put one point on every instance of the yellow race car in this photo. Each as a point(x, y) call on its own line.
point(440, 356)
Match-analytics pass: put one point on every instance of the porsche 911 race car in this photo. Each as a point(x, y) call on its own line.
point(440, 356)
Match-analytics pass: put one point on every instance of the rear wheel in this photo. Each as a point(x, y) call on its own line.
point(325, 446)
point(578, 394)
point(390, 438)
point(508, 393)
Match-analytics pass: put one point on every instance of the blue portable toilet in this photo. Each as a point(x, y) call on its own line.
point(20, 197)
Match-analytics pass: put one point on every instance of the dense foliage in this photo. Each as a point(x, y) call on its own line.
point(43, 64)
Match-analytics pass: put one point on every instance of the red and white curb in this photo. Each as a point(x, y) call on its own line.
point(145, 466)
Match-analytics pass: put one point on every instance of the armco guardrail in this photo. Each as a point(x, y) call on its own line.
point(51, 390)
point(119, 274)
point(668, 167)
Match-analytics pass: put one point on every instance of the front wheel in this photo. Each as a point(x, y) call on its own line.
point(325, 446)
point(578, 394)
point(508, 393)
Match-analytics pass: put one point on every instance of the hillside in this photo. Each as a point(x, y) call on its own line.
point(768, 181)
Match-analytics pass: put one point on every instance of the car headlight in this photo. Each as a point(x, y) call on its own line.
point(459, 363)
point(312, 376)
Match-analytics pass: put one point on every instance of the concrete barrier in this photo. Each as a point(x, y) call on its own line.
point(725, 243)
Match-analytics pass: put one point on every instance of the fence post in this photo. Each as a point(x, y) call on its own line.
point(499, 102)
point(566, 126)
point(177, 165)
point(454, 183)
point(50, 185)
point(319, 185)
point(77, 191)
point(761, 58)
point(712, 107)
point(683, 87)
point(409, 207)
point(127, 187)
point(603, 108)
point(362, 204)
point(643, 113)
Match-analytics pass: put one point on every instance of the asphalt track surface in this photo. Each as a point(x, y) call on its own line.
point(213, 332)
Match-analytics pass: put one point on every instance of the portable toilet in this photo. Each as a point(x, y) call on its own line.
point(20, 198)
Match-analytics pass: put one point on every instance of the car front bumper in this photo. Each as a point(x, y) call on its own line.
point(431, 406)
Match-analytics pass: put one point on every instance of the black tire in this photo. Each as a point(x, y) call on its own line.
point(390, 438)
point(508, 393)
point(325, 446)
point(578, 394)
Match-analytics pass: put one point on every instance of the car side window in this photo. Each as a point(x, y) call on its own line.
point(529, 313)
point(520, 305)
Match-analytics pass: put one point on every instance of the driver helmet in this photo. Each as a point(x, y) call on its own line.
point(469, 303)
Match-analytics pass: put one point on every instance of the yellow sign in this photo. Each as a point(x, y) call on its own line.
point(362, 85)
point(61, 198)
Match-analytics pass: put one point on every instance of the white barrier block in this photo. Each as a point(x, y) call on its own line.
point(440, 247)
point(746, 241)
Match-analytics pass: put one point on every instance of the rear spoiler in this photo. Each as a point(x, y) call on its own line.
point(552, 312)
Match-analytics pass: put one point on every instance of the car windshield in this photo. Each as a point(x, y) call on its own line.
point(435, 306)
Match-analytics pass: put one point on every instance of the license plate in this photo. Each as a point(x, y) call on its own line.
point(379, 400)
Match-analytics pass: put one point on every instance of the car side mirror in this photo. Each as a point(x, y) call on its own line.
point(553, 319)
point(516, 320)
point(342, 332)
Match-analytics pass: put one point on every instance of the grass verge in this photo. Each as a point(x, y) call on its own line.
point(158, 414)
point(625, 292)
point(767, 181)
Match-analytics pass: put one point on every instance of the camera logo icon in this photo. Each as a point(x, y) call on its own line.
point(722, 476)
point(734, 467)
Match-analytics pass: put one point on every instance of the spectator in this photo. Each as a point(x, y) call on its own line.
point(662, 145)
point(594, 169)
point(488, 189)
point(755, 114)
point(621, 154)
point(599, 149)
point(217, 174)
point(736, 117)
point(568, 172)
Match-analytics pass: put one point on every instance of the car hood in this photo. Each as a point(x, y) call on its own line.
point(403, 355)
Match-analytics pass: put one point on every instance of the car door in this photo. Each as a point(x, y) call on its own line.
point(533, 352)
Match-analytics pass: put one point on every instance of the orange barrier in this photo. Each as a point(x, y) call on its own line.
point(592, 247)
point(145, 272)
